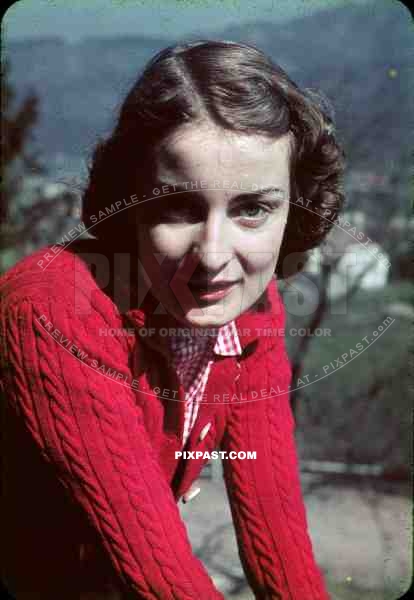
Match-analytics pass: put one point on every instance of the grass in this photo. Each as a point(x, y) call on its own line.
point(364, 315)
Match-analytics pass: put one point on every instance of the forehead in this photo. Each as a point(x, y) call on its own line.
point(205, 150)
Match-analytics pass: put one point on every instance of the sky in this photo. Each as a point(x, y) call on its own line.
point(74, 19)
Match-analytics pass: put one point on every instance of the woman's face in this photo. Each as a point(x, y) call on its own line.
point(210, 224)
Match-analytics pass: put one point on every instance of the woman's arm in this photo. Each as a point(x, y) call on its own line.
point(91, 429)
point(265, 493)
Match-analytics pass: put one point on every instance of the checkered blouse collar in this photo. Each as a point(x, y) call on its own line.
point(247, 325)
point(225, 339)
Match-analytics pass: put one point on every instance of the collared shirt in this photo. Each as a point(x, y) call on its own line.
point(192, 357)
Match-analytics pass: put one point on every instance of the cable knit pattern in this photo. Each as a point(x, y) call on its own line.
point(90, 427)
point(278, 559)
point(111, 447)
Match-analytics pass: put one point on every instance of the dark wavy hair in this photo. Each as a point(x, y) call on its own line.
point(235, 86)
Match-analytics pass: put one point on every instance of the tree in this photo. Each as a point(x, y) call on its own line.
point(364, 417)
point(28, 219)
point(17, 160)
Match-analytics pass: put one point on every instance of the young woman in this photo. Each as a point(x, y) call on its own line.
point(129, 357)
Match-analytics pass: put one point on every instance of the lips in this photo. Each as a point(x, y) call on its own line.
point(211, 286)
point(214, 292)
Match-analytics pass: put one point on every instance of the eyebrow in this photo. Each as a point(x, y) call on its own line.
point(178, 187)
point(266, 190)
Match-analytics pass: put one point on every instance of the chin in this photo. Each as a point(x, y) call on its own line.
point(213, 316)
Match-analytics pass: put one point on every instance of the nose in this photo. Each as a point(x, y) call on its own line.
point(213, 244)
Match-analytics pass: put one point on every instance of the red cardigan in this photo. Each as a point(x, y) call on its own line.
point(90, 478)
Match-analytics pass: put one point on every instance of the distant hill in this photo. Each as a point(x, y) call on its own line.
point(79, 86)
point(359, 57)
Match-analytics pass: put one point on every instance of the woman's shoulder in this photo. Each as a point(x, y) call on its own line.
point(59, 274)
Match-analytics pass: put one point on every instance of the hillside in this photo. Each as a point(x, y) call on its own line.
point(359, 57)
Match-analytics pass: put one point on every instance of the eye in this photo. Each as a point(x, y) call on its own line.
point(252, 209)
point(254, 212)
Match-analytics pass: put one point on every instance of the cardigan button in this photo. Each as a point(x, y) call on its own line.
point(192, 493)
point(204, 432)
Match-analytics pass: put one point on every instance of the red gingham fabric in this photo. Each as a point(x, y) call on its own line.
point(192, 357)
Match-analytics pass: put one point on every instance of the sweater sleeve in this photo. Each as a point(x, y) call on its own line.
point(88, 425)
point(265, 493)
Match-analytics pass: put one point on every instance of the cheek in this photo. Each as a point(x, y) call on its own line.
point(262, 251)
point(171, 245)
point(260, 262)
point(169, 242)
